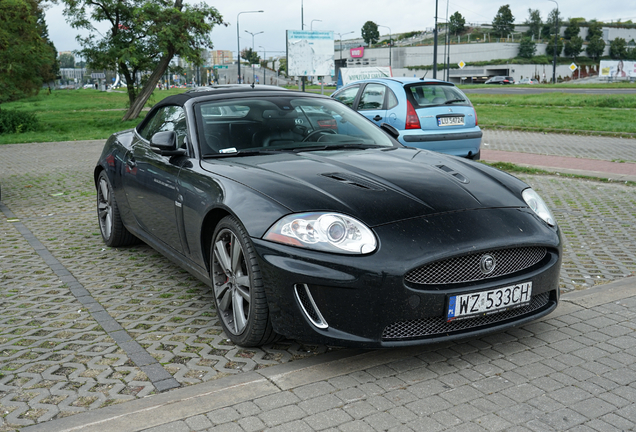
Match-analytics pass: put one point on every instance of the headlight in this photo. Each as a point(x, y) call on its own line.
point(538, 206)
point(327, 232)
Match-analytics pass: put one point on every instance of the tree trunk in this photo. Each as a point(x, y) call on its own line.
point(138, 104)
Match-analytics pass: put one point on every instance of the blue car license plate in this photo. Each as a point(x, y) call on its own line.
point(487, 302)
point(450, 121)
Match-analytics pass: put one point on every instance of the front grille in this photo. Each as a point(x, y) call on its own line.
point(467, 268)
point(438, 325)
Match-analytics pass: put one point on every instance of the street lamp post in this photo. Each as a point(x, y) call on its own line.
point(253, 71)
point(556, 35)
point(238, 41)
point(311, 24)
point(340, 36)
point(435, 44)
point(390, 41)
point(264, 57)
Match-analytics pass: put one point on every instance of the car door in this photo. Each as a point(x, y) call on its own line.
point(372, 103)
point(150, 180)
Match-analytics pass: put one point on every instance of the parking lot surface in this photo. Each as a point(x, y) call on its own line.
point(86, 328)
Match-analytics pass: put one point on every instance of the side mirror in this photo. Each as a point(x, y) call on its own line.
point(393, 132)
point(165, 144)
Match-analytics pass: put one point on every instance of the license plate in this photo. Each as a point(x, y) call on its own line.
point(450, 121)
point(487, 302)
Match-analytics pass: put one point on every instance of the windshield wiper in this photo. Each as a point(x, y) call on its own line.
point(336, 147)
point(454, 100)
point(244, 153)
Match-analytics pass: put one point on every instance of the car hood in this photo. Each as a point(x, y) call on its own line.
point(375, 186)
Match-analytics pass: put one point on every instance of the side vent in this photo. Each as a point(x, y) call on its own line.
point(309, 307)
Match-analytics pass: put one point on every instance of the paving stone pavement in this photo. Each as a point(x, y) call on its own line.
point(579, 146)
point(574, 370)
point(85, 327)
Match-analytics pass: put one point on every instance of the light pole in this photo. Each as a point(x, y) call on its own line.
point(435, 44)
point(238, 41)
point(264, 57)
point(253, 71)
point(390, 41)
point(311, 25)
point(556, 35)
point(340, 37)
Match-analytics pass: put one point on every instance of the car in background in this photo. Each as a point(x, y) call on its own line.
point(427, 113)
point(500, 80)
point(527, 81)
point(307, 221)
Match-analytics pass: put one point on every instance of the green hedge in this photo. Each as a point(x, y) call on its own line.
point(17, 122)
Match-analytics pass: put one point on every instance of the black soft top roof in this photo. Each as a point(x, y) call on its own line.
point(214, 90)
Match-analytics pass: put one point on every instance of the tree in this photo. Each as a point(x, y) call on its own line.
point(595, 29)
point(456, 23)
point(595, 47)
point(49, 70)
point(370, 33)
point(67, 60)
point(142, 36)
point(26, 58)
point(618, 49)
point(534, 23)
point(572, 29)
point(550, 25)
point(250, 55)
point(549, 48)
point(527, 48)
point(573, 47)
point(503, 23)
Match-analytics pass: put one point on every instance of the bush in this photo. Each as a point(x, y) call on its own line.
point(17, 122)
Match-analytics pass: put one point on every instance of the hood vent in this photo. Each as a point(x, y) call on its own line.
point(354, 181)
point(452, 172)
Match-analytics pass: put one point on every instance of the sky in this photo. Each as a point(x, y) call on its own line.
point(344, 16)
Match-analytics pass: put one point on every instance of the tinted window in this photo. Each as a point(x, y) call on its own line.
point(347, 96)
point(434, 94)
point(169, 118)
point(281, 123)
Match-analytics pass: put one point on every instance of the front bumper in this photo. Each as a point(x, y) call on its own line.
point(365, 301)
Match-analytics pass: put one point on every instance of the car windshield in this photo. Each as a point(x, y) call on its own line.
point(264, 125)
point(426, 94)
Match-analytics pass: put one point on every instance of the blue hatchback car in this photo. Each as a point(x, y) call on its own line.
point(428, 113)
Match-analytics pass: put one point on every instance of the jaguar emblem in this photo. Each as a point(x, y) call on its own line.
point(487, 264)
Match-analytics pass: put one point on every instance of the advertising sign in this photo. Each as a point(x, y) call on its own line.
point(356, 52)
point(348, 75)
point(618, 69)
point(310, 53)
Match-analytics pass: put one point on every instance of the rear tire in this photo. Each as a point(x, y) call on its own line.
point(239, 295)
point(112, 228)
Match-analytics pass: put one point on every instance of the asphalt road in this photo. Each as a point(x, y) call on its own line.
point(528, 89)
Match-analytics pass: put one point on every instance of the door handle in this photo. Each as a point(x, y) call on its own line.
point(377, 118)
point(131, 163)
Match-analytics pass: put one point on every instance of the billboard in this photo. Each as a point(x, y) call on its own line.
point(310, 53)
point(618, 69)
point(347, 75)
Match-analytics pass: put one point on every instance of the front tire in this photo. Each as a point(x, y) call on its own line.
point(112, 228)
point(239, 295)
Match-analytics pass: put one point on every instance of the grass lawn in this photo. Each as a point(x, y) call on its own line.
point(67, 115)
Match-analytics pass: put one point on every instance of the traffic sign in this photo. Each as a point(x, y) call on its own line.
point(461, 64)
point(219, 67)
point(573, 67)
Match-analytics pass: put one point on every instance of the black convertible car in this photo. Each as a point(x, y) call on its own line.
point(310, 222)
